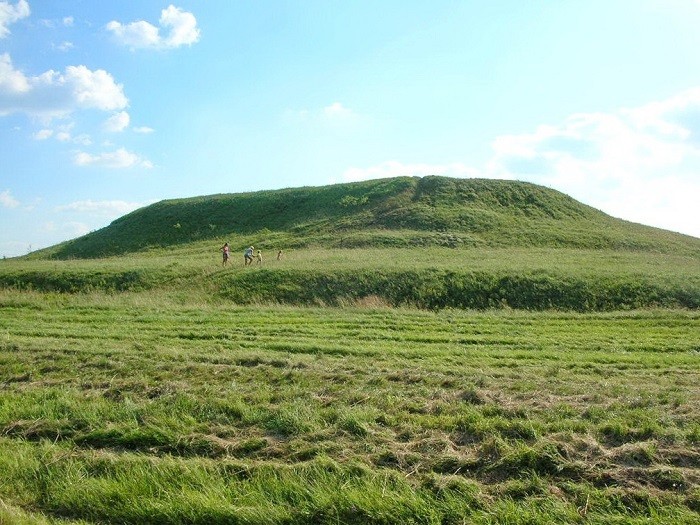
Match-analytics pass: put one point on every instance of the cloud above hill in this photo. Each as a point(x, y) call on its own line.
point(639, 163)
point(180, 28)
point(121, 158)
point(394, 168)
point(112, 208)
point(55, 94)
point(7, 200)
point(59, 94)
point(334, 114)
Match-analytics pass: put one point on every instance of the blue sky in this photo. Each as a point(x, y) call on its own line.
point(112, 105)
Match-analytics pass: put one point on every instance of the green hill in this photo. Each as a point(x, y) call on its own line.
point(431, 242)
point(397, 212)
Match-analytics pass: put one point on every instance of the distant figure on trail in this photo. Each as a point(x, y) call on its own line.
point(259, 257)
point(279, 255)
point(227, 252)
point(248, 256)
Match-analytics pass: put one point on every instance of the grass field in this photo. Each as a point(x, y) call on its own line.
point(427, 351)
point(174, 405)
point(523, 278)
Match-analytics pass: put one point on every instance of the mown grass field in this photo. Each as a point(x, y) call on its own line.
point(171, 404)
point(427, 351)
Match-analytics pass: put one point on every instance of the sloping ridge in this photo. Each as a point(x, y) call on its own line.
point(402, 211)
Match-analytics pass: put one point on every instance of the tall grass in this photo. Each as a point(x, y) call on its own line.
point(581, 280)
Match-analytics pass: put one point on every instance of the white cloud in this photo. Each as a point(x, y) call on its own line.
point(120, 158)
point(117, 122)
point(94, 89)
point(12, 81)
point(108, 208)
point(398, 169)
point(143, 129)
point(62, 133)
point(640, 164)
point(10, 14)
point(136, 34)
point(75, 228)
point(335, 115)
point(66, 21)
point(43, 134)
point(7, 200)
point(337, 111)
point(13, 248)
point(54, 94)
point(83, 139)
point(64, 46)
point(67, 229)
point(181, 26)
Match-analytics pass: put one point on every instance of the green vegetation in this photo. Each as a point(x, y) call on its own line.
point(153, 408)
point(535, 279)
point(403, 212)
point(429, 242)
point(426, 351)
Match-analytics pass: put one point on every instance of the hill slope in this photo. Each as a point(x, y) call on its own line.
point(397, 212)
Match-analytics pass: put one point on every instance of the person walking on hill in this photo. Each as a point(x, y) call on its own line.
point(248, 256)
point(227, 252)
point(279, 255)
point(259, 257)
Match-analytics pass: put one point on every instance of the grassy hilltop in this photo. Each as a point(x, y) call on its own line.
point(397, 212)
point(431, 242)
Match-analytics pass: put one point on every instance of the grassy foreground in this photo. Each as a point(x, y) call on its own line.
point(155, 407)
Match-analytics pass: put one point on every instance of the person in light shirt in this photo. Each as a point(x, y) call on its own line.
point(248, 256)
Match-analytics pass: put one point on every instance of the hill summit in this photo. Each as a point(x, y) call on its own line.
point(401, 212)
